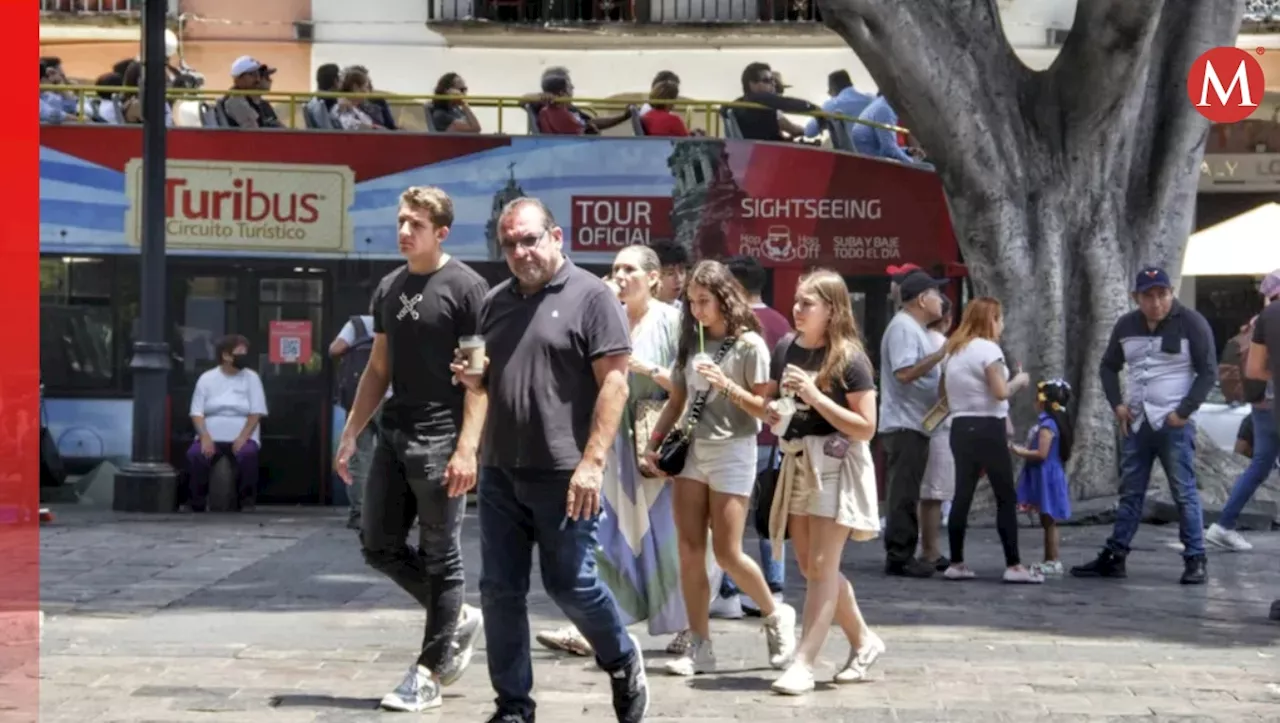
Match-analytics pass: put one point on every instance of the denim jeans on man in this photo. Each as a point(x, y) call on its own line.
point(1266, 449)
point(775, 571)
point(519, 509)
point(406, 483)
point(1175, 447)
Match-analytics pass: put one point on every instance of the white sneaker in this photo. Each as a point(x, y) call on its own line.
point(958, 572)
point(752, 608)
point(780, 632)
point(1048, 568)
point(1227, 539)
point(565, 640)
point(727, 608)
point(699, 658)
point(860, 660)
point(797, 680)
point(417, 692)
point(1022, 575)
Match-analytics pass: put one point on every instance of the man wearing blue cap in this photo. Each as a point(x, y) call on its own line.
point(1170, 362)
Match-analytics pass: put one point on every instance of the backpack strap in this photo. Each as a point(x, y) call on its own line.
point(357, 323)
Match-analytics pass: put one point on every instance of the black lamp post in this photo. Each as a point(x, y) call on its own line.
point(147, 483)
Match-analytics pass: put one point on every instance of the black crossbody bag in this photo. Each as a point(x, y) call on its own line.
point(674, 449)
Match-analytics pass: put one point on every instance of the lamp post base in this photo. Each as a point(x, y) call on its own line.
point(146, 487)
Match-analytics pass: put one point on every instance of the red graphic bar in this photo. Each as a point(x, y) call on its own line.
point(19, 377)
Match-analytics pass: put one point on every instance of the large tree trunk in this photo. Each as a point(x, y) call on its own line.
point(1063, 182)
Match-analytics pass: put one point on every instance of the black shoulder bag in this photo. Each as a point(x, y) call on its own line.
point(767, 480)
point(675, 446)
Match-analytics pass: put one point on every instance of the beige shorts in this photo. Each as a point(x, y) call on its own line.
point(727, 466)
point(939, 481)
point(807, 498)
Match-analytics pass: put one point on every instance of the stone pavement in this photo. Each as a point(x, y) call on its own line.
point(272, 616)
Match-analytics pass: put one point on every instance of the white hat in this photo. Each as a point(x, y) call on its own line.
point(244, 64)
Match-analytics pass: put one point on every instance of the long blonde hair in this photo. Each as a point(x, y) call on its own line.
point(979, 322)
point(844, 341)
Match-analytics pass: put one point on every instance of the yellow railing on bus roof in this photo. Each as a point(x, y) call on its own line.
point(707, 110)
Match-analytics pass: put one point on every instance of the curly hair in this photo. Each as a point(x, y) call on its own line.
point(730, 297)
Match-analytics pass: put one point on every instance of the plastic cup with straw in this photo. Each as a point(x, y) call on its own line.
point(701, 383)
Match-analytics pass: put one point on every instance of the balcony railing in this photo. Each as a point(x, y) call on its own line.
point(504, 115)
point(601, 12)
point(99, 7)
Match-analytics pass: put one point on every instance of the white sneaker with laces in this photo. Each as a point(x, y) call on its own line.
point(1227, 539)
point(860, 660)
point(699, 658)
point(780, 633)
point(727, 608)
point(797, 680)
point(417, 692)
point(958, 572)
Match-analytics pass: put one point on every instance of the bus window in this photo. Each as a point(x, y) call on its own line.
point(77, 338)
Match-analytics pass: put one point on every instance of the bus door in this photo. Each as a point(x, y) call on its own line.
point(281, 310)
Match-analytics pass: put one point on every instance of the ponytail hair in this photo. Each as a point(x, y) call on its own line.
point(1055, 395)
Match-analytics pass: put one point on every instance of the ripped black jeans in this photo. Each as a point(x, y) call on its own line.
point(406, 482)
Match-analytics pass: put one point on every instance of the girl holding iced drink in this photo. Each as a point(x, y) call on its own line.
point(825, 416)
point(722, 365)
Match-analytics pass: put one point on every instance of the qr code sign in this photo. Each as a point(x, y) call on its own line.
point(290, 348)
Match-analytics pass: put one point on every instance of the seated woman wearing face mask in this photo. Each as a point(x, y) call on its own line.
point(226, 407)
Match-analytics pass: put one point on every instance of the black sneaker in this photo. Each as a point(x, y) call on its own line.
point(910, 568)
point(1106, 564)
point(1195, 571)
point(631, 688)
point(941, 564)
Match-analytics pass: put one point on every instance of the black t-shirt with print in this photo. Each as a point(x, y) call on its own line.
point(858, 377)
point(423, 316)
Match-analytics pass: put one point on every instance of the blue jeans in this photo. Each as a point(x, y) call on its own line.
point(518, 509)
point(1266, 449)
point(775, 571)
point(1176, 449)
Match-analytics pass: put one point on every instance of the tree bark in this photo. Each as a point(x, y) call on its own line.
point(1062, 182)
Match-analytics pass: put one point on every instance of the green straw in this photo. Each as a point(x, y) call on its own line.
point(702, 342)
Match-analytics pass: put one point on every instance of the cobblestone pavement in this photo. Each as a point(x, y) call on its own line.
point(272, 616)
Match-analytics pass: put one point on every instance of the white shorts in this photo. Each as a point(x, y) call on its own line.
point(939, 481)
point(807, 499)
point(727, 466)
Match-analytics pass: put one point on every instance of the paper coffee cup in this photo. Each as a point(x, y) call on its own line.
point(473, 349)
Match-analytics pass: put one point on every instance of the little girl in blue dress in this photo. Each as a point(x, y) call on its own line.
point(1042, 485)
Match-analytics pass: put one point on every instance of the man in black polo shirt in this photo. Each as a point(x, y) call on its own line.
point(424, 461)
point(557, 344)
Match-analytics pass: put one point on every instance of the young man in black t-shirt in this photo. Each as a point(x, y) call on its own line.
point(425, 459)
